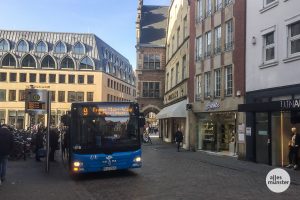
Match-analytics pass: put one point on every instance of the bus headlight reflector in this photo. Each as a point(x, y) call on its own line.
point(138, 159)
point(77, 164)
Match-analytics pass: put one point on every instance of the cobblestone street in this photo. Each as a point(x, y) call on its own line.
point(166, 174)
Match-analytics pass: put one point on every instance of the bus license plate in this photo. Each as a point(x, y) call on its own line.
point(109, 168)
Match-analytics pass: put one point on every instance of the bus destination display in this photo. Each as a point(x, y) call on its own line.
point(106, 111)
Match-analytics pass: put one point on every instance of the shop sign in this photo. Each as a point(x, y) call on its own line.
point(173, 95)
point(290, 104)
point(212, 106)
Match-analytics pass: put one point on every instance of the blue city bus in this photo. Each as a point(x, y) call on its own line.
point(104, 136)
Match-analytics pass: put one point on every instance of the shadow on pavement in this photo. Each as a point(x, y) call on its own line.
point(104, 175)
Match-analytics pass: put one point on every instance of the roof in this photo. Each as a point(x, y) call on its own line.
point(153, 25)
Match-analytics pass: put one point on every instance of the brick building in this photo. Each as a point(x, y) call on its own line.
point(150, 72)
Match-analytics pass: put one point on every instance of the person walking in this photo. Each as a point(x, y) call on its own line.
point(6, 146)
point(294, 144)
point(178, 138)
point(53, 143)
point(39, 143)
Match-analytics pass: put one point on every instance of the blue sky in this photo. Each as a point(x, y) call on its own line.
point(111, 20)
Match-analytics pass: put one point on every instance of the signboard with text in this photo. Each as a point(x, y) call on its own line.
point(35, 101)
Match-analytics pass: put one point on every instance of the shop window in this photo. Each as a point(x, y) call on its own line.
point(2, 117)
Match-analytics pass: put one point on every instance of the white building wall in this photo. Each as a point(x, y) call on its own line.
point(259, 19)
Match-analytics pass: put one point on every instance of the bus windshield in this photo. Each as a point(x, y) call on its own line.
point(102, 132)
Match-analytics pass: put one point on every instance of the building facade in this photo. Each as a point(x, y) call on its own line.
point(151, 39)
point(272, 82)
point(73, 66)
point(179, 66)
point(219, 75)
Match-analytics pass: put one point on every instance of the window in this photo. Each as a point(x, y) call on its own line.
point(217, 83)
point(2, 95)
point(228, 80)
point(269, 47)
point(151, 89)
point(177, 73)
point(184, 75)
point(71, 96)
point(78, 48)
point(12, 95)
point(90, 79)
point(22, 77)
point(207, 84)
point(218, 5)
point(108, 82)
point(32, 78)
point(151, 61)
point(178, 36)
point(71, 78)
point(229, 35)
point(12, 77)
point(53, 98)
point(173, 44)
point(167, 82)
point(294, 38)
point(48, 62)
point(4, 46)
point(3, 76)
point(62, 78)
point(218, 32)
point(61, 96)
point(185, 27)
point(208, 7)
point(90, 96)
point(227, 2)
point(80, 96)
point(199, 10)
point(172, 77)
point(9, 61)
point(67, 63)
point(87, 63)
point(28, 61)
point(207, 44)
point(52, 78)
point(60, 47)
point(42, 78)
point(81, 79)
point(22, 46)
point(198, 48)
point(21, 95)
point(267, 2)
point(198, 88)
point(41, 47)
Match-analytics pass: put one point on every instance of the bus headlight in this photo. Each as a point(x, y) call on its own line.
point(138, 159)
point(77, 164)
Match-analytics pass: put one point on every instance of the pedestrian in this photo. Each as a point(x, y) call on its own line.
point(39, 143)
point(6, 146)
point(53, 143)
point(294, 144)
point(178, 138)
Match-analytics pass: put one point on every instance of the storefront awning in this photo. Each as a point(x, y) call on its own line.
point(172, 111)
